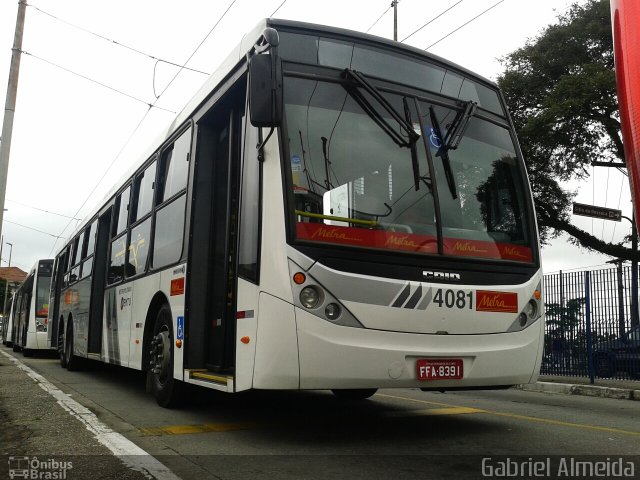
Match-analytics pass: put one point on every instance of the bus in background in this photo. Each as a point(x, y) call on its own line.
point(332, 210)
point(625, 18)
point(29, 310)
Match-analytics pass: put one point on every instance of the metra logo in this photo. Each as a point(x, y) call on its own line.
point(467, 247)
point(125, 302)
point(333, 234)
point(400, 241)
point(441, 275)
point(502, 302)
point(514, 252)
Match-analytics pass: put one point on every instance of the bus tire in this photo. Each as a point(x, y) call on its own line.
point(165, 388)
point(72, 361)
point(63, 358)
point(16, 348)
point(354, 393)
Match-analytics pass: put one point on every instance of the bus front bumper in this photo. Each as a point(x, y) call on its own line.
point(334, 357)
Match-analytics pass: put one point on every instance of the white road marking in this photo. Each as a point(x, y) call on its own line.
point(128, 452)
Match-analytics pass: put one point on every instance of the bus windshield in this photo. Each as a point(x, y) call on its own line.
point(42, 296)
point(355, 183)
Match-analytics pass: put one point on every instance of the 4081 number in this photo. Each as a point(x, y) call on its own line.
point(459, 299)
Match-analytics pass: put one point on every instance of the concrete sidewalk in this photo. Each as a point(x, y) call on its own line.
point(620, 389)
point(40, 434)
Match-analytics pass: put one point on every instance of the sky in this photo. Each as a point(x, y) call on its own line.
point(73, 138)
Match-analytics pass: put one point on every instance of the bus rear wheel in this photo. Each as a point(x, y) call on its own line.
point(61, 354)
point(354, 393)
point(164, 387)
point(72, 361)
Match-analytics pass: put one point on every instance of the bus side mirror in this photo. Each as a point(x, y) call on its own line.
point(265, 90)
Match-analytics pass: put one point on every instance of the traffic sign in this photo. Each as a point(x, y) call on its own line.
point(597, 212)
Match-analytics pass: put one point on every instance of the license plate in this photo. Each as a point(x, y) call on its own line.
point(439, 368)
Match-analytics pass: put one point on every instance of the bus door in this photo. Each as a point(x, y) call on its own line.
point(54, 310)
point(98, 282)
point(213, 257)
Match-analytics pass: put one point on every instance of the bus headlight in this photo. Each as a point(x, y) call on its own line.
point(523, 319)
point(309, 297)
point(531, 309)
point(332, 311)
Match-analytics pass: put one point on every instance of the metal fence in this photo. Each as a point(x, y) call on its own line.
point(590, 330)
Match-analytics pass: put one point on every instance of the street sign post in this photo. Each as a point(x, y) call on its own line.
point(597, 212)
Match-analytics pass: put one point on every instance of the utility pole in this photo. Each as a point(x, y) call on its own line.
point(635, 319)
point(394, 4)
point(4, 305)
point(10, 104)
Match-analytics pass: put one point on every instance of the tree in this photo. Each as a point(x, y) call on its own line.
point(561, 91)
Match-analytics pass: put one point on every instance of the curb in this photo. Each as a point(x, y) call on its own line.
point(586, 390)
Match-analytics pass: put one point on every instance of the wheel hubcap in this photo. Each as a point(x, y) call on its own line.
point(160, 354)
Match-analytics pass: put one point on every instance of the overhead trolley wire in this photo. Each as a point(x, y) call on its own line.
point(95, 81)
point(115, 42)
point(30, 228)
point(432, 20)
point(41, 209)
point(279, 7)
point(135, 130)
point(465, 24)
point(196, 50)
point(101, 178)
point(374, 23)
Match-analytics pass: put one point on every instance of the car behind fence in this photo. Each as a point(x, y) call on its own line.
point(590, 327)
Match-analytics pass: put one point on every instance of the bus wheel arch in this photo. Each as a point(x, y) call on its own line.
point(158, 353)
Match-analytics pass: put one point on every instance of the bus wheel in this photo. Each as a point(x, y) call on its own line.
point(72, 361)
point(16, 347)
point(61, 353)
point(164, 387)
point(354, 393)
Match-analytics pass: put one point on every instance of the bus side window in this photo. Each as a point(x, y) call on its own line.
point(121, 212)
point(143, 199)
point(87, 249)
point(171, 202)
point(74, 269)
point(140, 233)
point(115, 272)
point(174, 168)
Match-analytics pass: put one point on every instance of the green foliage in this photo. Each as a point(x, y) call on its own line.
point(561, 90)
point(565, 318)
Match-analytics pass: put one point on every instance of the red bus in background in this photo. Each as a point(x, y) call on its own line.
point(625, 20)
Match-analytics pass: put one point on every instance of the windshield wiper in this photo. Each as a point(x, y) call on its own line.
point(357, 79)
point(459, 126)
point(443, 153)
point(452, 140)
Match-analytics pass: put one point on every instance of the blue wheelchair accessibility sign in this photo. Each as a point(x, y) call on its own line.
point(180, 329)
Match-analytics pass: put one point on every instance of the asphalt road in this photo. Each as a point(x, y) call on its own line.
point(395, 434)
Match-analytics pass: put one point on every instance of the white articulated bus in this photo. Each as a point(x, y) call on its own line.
point(332, 210)
point(27, 329)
